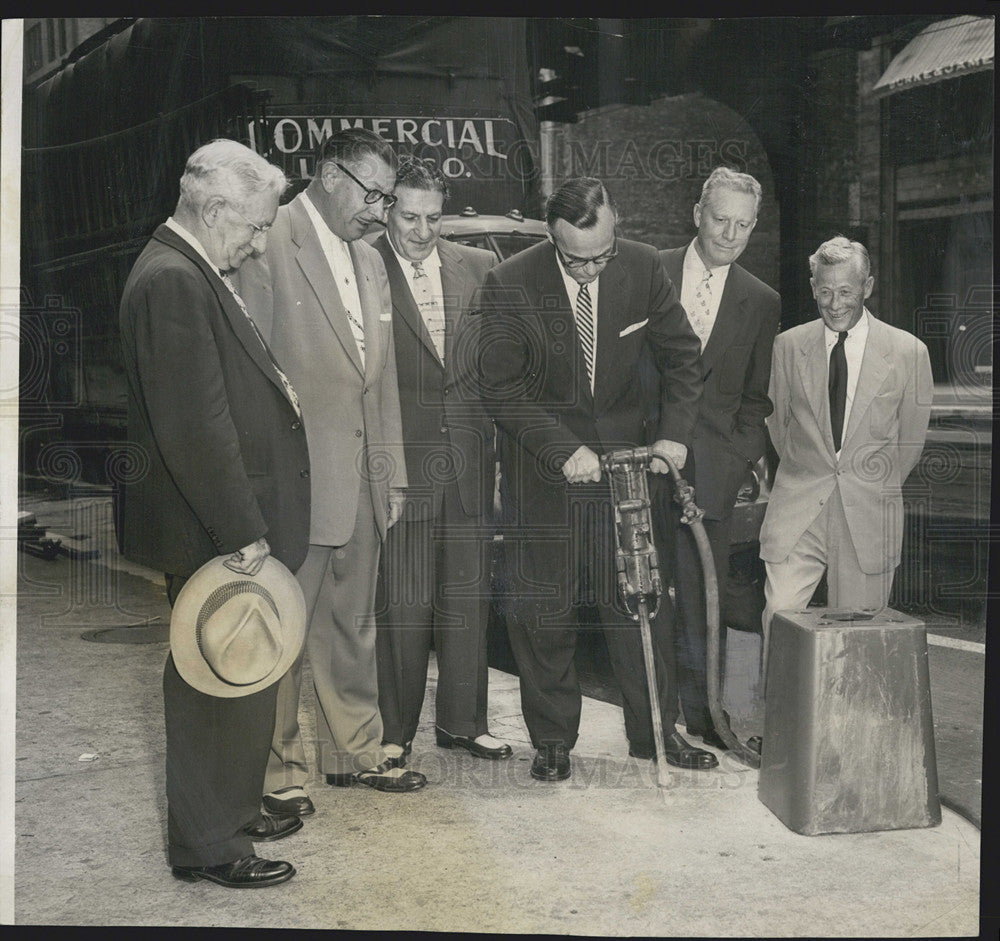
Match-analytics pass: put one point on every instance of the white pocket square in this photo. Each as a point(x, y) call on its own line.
point(632, 327)
point(385, 316)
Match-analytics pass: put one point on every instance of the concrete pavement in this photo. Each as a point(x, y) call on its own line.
point(482, 848)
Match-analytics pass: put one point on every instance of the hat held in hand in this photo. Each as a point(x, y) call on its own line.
point(233, 634)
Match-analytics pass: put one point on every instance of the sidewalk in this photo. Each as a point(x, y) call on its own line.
point(482, 848)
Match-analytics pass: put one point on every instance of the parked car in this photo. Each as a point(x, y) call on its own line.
point(504, 235)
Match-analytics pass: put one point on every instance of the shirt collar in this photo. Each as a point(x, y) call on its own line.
point(192, 240)
point(433, 260)
point(859, 330)
point(322, 229)
point(694, 266)
point(572, 285)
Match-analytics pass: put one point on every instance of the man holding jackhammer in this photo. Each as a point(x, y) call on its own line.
point(565, 324)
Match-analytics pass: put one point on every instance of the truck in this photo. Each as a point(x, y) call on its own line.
point(105, 141)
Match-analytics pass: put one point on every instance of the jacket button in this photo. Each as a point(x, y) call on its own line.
point(357, 433)
point(303, 473)
point(296, 425)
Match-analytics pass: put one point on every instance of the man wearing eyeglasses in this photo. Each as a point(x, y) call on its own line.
point(852, 399)
point(736, 318)
point(220, 429)
point(565, 324)
point(321, 295)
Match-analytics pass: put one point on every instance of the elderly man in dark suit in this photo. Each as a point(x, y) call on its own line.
point(565, 324)
point(735, 316)
point(221, 428)
point(433, 573)
point(322, 298)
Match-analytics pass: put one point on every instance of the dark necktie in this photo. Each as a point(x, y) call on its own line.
point(838, 388)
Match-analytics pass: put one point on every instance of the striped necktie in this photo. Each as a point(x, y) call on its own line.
point(585, 327)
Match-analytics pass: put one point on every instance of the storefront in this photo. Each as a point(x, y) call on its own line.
point(936, 240)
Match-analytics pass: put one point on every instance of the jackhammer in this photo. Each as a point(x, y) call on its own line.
point(640, 586)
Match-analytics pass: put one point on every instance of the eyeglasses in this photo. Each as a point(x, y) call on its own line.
point(371, 196)
point(257, 229)
point(571, 262)
point(825, 295)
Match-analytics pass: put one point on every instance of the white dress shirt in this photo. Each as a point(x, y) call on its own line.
point(572, 290)
point(854, 351)
point(694, 273)
point(428, 294)
point(338, 256)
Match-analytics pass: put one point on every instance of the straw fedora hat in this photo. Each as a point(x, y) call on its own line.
point(232, 634)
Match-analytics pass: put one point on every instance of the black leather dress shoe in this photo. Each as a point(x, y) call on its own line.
point(715, 740)
point(272, 827)
point(377, 778)
point(551, 763)
point(679, 753)
point(682, 754)
point(301, 804)
point(445, 740)
point(708, 734)
point(250, 872)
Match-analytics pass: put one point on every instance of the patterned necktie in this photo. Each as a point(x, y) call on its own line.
point(585, 327)
point(430, 307)
point(701, 316)
point(348, 295)
point(284, 379)
point(838, 389)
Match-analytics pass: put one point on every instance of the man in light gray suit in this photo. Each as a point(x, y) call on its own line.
point(322, 298)
point(852, 401)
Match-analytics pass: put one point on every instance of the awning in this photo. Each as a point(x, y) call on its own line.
point(946, 49)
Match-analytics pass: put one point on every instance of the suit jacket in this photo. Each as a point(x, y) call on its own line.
point(223, 450)
point(535, 381)
point(882, 442)
point(446, 431)
point(729, 436)
point(292, 295)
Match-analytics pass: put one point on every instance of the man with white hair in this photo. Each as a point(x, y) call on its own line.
point(852, 400)
point(220, 425)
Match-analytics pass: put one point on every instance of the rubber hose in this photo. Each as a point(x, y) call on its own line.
point(691, 516)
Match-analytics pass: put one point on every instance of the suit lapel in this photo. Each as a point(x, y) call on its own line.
point(457, 293)
point(875, 367)
point(612, 299)
point(728, 320)
point(242, 327)
point(402, 296)
point(316, 268)
point(559, 320)
point(673, 262)
point(812, 367)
